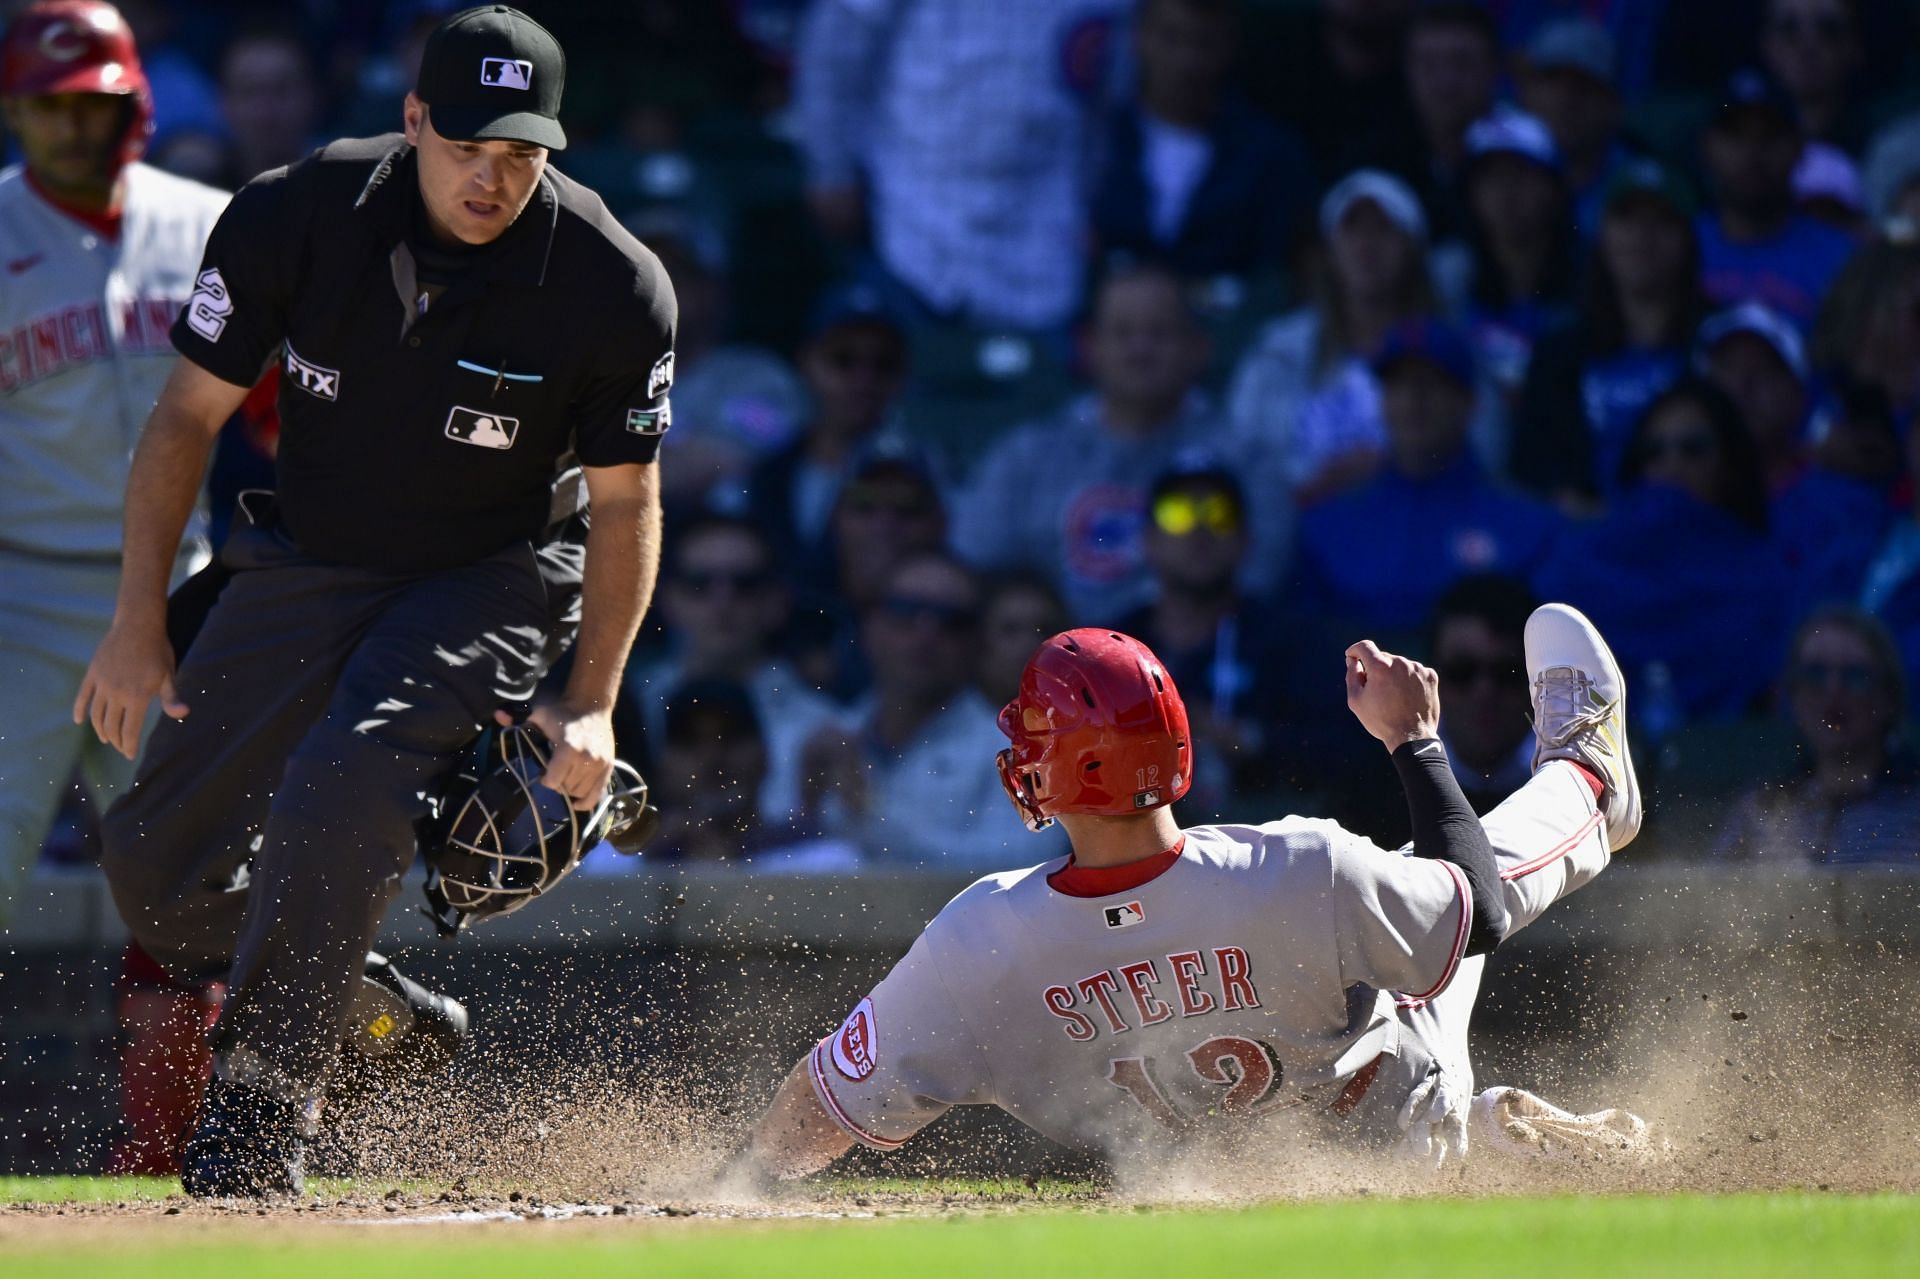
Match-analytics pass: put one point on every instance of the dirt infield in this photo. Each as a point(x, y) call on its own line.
point(1789, 1071)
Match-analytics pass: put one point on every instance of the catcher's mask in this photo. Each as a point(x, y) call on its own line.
point(500, 838)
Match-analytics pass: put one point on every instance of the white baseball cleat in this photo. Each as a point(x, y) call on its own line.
point(1516, 1122)
point(1579, 710)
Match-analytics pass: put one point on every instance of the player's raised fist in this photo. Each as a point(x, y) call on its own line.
point(1395, 698)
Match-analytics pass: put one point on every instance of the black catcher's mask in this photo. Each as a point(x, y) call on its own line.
point(499, 839)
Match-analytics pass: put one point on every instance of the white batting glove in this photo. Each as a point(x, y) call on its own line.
point(1434, 1120)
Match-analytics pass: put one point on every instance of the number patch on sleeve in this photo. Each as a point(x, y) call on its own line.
point(210, 305)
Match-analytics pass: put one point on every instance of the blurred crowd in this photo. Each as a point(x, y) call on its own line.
point(1249, 327)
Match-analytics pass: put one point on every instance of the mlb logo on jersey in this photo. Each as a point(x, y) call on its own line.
point(854, 1044)
point(488, 430)
point(311, 378)
point(506, 73)
point(1126, 916)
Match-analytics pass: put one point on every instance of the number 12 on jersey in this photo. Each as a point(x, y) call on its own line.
point(1247, 1068)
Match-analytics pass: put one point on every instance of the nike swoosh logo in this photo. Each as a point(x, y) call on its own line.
point(18, 265)
point(1428, 749)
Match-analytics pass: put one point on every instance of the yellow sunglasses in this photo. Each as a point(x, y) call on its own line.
point(1178, 514)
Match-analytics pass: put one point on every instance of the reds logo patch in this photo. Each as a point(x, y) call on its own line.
point(855, 1046)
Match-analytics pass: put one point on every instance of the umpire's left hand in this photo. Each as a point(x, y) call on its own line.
point(582, 742)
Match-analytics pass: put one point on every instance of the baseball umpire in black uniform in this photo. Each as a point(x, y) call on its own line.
point(467, 339)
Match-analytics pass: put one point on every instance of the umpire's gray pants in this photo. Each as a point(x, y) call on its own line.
point(266, 833)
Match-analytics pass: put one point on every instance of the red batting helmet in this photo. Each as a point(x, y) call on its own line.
point(78, 46)
point(1098, 727)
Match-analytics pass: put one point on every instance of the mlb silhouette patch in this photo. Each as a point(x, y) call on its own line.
point(1126, 916)
point(488, 430)
point(506, 73)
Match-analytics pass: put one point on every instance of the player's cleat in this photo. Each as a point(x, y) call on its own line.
point(397, 1030)
point(1579, 710)
point(250, 1144)
point(1516, 1122)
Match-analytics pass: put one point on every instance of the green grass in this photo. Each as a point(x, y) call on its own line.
point(1688, 1237)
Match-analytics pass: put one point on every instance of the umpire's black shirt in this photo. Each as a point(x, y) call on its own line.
point(420, 436)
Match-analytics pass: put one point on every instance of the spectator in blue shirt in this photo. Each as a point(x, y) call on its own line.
point(1830, 522)
point(1755, 355)
point(1380, 556)
point(1522, 238)
point(1681, 564)
point(1192, 174)
point(854, 363)
point(1590, 381)
point(1757, 245)
point(1892, 587)
point(1568, 80)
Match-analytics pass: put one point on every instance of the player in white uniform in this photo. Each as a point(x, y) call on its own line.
point(97, 256)
point(1161, 979)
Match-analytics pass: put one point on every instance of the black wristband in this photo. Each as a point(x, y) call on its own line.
point(1445, 828)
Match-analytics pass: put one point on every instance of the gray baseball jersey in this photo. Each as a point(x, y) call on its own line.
point(84, 348)
point(1254, 971)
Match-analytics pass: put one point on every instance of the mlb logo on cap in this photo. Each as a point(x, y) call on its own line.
point(506, 73)
point(1126, 916)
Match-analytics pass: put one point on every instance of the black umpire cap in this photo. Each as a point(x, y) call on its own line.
point(494, 73)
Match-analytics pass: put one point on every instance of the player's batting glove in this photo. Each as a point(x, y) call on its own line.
point(1434, 1120)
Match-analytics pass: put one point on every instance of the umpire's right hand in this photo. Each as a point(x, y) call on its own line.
point(133, 662)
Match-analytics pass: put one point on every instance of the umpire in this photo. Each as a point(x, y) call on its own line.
point(466, 339)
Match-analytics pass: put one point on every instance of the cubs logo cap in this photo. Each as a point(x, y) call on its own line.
point(494, 73)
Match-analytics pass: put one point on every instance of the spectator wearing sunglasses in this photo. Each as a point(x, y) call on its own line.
point(854, 364)
point(1682, 558)
point(902, 775)
point(725, 606)
point(1226, 650)
point(1474, 645)
point(1378, 557)
point(1068, 494)
point(1855, 797)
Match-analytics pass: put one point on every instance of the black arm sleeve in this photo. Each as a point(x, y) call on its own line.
point(1446, 829)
